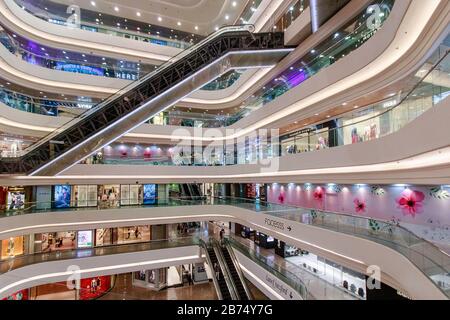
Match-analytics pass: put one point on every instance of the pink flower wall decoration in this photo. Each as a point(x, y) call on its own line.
point(360, 206)
point(281, 198)
point(411, 202)
point(318, 194)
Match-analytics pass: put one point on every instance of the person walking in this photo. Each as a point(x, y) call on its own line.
point(221, 234)
point(217, 270)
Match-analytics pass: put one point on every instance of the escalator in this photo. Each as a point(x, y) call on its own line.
point(224, 292)
point(228, 48)
point(235, 272)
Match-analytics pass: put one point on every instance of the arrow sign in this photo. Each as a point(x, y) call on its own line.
point(290, 294)
point(289, 228)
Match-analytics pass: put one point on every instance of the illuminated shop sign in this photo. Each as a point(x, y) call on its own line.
point(71, 67)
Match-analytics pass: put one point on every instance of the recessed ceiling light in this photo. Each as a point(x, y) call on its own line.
point(313, 51)
point(227, 17)
point(344, 104)
point(196, 27)
point(316, 114)
point(328, 116)
point(138, 14)
point(234, 3)
point(93, 3)
point(159, 19)
point(178, 23)
point(116, 9)
point(216, 28)
point(355, 107)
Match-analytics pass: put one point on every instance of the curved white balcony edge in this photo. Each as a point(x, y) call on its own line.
point(352, 251)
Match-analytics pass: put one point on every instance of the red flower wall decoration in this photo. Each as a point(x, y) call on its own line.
point(360, 206)
point(281, 198)
point(318, 194)
point(411, 202)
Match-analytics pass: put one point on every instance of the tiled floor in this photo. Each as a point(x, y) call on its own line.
point(124, 290)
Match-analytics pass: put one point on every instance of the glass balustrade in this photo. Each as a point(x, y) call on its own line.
point(428, 258)
point(277, 271)
point(29, 259)
point(378, 120)
point(294, 10)
point(62, 60)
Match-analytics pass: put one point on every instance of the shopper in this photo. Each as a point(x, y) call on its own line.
point(217, 270)
point(221, 234)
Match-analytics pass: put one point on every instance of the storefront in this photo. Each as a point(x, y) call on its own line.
point(16, 198)
point(131, 194)
point(12, 247)
point(104, 237)
point(133, 234)
point(284, 250)
point(108, 195)
point(55, 241)
point(349, 280)
point(152, 279)
point(19, 295)
point(92, 288)
point(85, 195)
point(265, 241)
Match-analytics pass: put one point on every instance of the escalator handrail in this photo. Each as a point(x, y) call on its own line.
point(225, 270)
point(250, 28)
point(237, 266)
point(208, 259)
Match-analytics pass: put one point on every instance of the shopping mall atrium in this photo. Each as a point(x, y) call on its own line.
point(224, 150)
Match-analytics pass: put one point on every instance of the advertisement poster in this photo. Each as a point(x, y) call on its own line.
point(85, 239)
point(16, 200)
point(149, 193)
point(62, 196)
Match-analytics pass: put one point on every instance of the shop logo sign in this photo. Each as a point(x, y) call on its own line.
point(374, 280)
point(74, 20)
point(275, 224)
point(374, 20)
point(73, 281)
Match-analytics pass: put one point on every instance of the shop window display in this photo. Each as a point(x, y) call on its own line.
point(56, 241)
point(133, 234)
point(85, 195)
point(12, 247)
point(109, 196)
point(103, 237)
point(130, 194)
point(16, 200)
point(92, 288)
